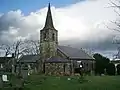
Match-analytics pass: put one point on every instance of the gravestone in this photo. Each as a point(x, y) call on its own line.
point(24, 73)
point(5, 78)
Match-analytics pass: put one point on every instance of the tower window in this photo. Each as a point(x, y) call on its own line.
point(53, 36)
point(44, 35)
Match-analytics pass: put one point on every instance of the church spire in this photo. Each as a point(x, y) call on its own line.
point(49, 21)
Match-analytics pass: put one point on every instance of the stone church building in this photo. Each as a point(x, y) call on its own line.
point(56, 59)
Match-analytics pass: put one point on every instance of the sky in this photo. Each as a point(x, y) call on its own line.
point(27, 6)
point(80, 23)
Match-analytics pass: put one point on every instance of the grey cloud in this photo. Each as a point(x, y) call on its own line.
point(104, 45)
point(11, 18)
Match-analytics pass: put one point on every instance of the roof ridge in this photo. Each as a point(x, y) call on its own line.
point(63, 51)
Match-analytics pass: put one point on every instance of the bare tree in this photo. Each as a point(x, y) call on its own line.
point(21, 48)
point(32, 47)
point(16, 48)
point(6, 49)
point(116, 40)
point(116, 6)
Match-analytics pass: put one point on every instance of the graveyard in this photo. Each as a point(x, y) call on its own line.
point(45, 82)
point(37, 82)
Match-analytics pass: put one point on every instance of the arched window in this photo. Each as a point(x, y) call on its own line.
point(53, 36)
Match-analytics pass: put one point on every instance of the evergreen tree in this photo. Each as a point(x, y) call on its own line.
point(101, 63)
point(118, 69)
point(110, 69)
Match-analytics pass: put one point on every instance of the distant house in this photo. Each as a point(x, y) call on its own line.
point(6, 63)
point(116, 62)
point(28, 63)
point(28, 59)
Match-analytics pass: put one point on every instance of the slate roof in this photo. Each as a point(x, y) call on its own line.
point(74, 53)
point(57, 59)
point(116, 61)
point(29, 58)
point(5, 59)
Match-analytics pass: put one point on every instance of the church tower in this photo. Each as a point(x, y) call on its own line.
point(48, 38)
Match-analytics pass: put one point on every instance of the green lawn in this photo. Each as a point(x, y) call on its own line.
point(37, 82)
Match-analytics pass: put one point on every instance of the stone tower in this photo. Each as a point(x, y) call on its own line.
point(48, 38)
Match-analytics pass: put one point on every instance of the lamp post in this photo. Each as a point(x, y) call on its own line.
point(81, 73)
point(80, 68)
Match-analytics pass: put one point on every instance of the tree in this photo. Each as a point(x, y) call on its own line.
point(116, 6)
point(118, 69)
point(101, 63)
point(21, 47)
point(116, 23)
point(110, 69)
point(6, 48)
point(32, 47)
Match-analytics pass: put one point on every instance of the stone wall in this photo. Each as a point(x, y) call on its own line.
point(57, 68)
point(88, 65)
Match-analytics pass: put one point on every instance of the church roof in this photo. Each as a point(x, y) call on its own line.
point(57, 59)
point(115, 61)
point(28, 58)
point(74, 53)
point(49, 21)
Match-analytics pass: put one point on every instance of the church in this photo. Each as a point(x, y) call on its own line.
point(56, 59)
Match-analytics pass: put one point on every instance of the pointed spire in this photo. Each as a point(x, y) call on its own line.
point(49, 21)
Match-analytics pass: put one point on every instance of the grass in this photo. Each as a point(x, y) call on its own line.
point(37, 82)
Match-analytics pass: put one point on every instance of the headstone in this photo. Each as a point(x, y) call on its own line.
point(28, 73)
point(5, 78)
point(1, 66)
point(24, 73)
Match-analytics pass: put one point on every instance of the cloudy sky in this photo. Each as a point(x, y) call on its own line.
point(80, 23)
